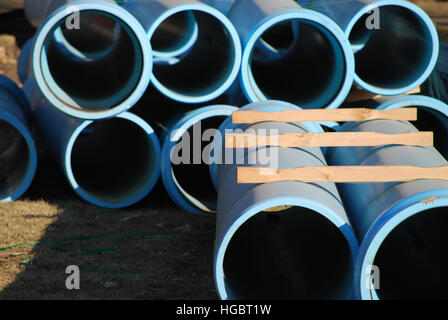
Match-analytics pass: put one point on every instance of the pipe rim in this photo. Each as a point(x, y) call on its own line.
point(435, 45)
point(143, 125)
point(383, 226)
point(249, 86)
point(415, 101)
point(182, 126)
point(24, 131)
point(255, 208)
point(234, 38)
point(32, 163)
point(124, 17)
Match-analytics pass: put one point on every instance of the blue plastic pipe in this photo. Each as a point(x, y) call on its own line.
point(289, 240)
point(269, 106)
point(111, 163)
point(315, 71)
point(211, 63)
point(96, 71)
point(401, 226)
point(189, 184)
point(393, 59)
point(432, 116)
point(18, 156)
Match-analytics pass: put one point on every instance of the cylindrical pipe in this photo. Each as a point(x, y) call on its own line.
point(395, 42)
point(266, 106)
point(314, 71)
point(188, 182)
point(212, 62)
point(186, 132)
point(18, 155)
point(110, 163)
point(401, 225)
point(281, 240)
point(94, 86)
point(432, 116)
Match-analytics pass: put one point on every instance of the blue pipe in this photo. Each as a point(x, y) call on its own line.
point(184, 192)
point(267, 106)
point(402, 225)
point(315, 72)
point(222, 5)
point(18, 155)
point(393, 59)
point(281, 240)
point(209, 66)
point(432, 116)
point(112, 163)
point(87, 87)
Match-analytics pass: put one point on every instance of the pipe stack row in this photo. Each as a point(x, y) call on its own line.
point(105, 82)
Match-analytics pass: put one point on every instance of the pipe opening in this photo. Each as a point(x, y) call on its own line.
point(206, 67)
point(93, 83)
point(398, 53)
point(14, 159)
point(194, 180)
point(309, 74)
point(412, 259)
point(114, 161)
point(295, 254)
point(175, 32)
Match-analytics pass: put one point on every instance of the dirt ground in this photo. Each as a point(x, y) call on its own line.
point(149, 251)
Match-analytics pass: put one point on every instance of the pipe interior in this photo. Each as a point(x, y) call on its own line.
point(100, 83)
point(195, 179)
point(309, 74)
point(412, 259)
point(294, 254)
point(395, 55)
point(99, 34)
point(206, 66)
point(360, 35)
point(14, 159)
point(174, 32)
point(114, 161)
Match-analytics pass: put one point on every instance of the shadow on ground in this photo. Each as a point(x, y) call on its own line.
point(149, 251)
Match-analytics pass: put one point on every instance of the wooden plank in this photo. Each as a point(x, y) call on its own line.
point(329, 139)
point(362, 95)
point(342, 174)
point(342, 115)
